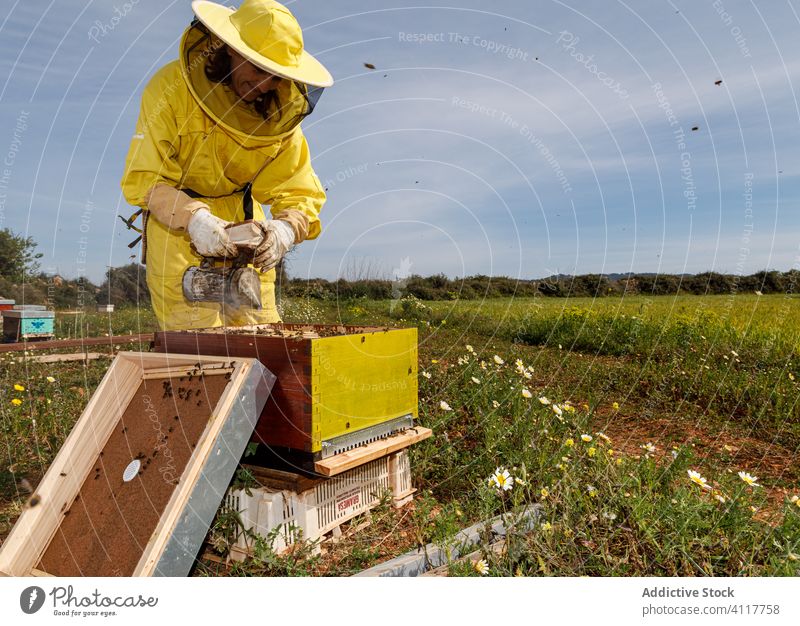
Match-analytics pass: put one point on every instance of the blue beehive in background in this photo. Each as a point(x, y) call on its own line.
point(25, 324)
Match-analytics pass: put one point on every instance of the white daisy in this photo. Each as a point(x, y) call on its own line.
point(750, 480)
point(502, 479)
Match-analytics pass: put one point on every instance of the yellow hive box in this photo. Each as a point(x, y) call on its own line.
point(337, 386)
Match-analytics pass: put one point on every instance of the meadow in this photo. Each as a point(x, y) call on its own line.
point(658, 435)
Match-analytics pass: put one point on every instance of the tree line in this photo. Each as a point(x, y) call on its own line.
point(21, 279)
point(440, 287)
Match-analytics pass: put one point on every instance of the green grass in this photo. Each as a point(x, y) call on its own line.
point(123, 321)
point(711, 382)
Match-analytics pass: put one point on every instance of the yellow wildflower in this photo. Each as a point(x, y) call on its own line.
point(615, 406)
point(18, 387)
point(16, 402)
point(545, 492)
point(569, 443)
point(591, 451)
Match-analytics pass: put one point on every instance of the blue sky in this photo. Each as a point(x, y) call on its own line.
point(512, 138)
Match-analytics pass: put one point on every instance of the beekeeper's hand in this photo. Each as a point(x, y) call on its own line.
point(209, 236)
point(278, 240)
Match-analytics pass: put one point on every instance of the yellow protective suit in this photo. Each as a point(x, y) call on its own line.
point(195, 134)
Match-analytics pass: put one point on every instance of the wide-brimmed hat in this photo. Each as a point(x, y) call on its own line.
point(267, 34)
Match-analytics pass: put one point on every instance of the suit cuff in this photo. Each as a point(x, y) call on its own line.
point(297, 220)
point(172, 207)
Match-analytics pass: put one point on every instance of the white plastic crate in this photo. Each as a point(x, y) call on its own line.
point(322, 508)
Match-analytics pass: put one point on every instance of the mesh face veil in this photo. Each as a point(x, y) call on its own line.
point(276, 112)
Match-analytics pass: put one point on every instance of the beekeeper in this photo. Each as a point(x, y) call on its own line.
point(219, 136)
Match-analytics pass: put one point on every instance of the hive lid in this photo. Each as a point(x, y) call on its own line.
point(151, 463)
point(28, 314)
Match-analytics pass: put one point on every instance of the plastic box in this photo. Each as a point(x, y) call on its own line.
point(313, 512)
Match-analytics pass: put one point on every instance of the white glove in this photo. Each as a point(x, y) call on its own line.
point(278, 240)
point(209, 236)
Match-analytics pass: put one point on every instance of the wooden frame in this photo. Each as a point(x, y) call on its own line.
point(227, 431)
point(345, 461)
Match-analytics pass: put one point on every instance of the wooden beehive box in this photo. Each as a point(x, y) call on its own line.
point(134, 488)
point(335, 385)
